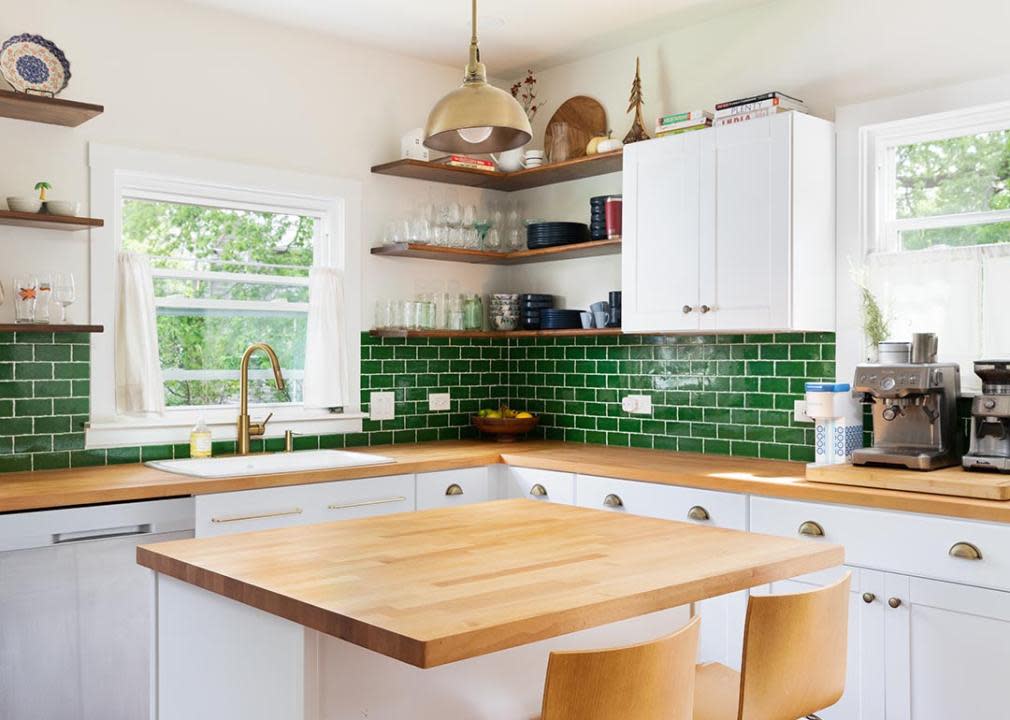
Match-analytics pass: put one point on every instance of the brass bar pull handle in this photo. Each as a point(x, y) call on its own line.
point(698, 513)
point(256, 516)
point(811, 529)
point(538, 490)
point(454, 489)
point(869, 597)
point(366, 503)
point(613, 501)
point(894, 602)
point(965, 551)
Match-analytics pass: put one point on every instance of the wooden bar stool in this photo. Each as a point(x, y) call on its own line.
point(649, 681)
point(794, 652)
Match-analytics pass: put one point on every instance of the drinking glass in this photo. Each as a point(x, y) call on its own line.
point(492, 241)
point(43, 298)
point(26, 288)
point(469, 216)
point(453, 214)
point(64, 293)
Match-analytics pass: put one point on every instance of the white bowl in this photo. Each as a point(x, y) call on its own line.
point(24, 204)
point(63, 207)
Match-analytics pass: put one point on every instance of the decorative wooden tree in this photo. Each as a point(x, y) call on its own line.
point(637, 131)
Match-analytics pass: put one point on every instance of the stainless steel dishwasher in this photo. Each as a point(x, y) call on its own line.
point(76, 610)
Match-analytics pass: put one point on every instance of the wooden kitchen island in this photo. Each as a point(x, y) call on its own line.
point(445, 613)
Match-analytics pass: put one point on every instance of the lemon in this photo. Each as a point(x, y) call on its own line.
point(523, 415)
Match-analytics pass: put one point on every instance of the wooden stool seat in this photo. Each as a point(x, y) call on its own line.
point(716, 692)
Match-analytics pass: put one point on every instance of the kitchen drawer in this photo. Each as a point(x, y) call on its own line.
point(546, 485)
point(912, 544)
point(452, 487)
point(669, 502)
point(268, 508)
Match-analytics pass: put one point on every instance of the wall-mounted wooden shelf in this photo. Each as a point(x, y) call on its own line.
point(595, 248)
point(576, 169)
point(48, 222)
point(36, 108)
point(395, 333)
point(49, 328)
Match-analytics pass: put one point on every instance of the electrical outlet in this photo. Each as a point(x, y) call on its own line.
point(800, 412)
point(382, 406)
point(637, 404)
point(439, 401)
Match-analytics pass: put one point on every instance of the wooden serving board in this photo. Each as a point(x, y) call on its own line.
point(575, 123)
point(954, 481)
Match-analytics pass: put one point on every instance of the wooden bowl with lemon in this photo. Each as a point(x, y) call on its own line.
point(505, 424)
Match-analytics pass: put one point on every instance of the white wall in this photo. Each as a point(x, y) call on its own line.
point(177, 77)
point(828, 52)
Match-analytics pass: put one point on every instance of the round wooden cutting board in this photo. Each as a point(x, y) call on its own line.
point(578, 120)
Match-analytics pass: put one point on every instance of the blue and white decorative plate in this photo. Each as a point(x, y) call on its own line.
point(30, 63)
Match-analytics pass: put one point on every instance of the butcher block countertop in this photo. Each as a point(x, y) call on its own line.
point(772, 478)
point(438, 586)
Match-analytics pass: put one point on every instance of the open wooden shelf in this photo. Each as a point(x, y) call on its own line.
point(37, 108)
point(49, 328)
point(562, 252)
point(395, 333)
point(48, 222)
point(576, 169)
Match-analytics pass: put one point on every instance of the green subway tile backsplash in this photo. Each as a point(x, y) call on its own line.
point(727, 394)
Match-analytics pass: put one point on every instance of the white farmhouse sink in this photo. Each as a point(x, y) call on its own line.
point(269, 464)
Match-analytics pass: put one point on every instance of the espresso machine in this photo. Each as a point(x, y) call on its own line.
point(914, 407)
point(990, 419)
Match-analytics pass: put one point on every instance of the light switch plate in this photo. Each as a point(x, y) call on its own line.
point(637, 404)
point(439, 401)
point(382, 406)
point(800, 411)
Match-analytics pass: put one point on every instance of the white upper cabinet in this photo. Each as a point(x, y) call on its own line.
point(731, 229)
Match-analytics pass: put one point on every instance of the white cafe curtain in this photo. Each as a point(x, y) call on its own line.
point(325, 382)
point(139, 383)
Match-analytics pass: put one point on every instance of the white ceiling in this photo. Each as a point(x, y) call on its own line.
point(514, 34)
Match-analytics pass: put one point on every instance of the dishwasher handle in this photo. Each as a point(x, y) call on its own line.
point(101, 534)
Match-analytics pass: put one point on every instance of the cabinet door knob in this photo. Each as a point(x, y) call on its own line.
point(454, 489)
point(869, 598)
point(687, 309)
point(965, 551)
point(698, 513)
point(705, 309)
point(894, 602)
point(613, 501)
point(811, 529)
point(538, 490)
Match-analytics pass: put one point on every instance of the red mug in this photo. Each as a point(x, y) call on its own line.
point(614, 209)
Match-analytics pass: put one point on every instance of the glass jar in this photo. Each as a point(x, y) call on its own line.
point(473, 313)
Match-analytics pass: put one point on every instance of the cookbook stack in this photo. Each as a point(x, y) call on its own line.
point(683, 122)
point(757, 106)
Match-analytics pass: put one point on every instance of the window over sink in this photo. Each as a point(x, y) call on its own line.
point(936, 213)
point(230, 248)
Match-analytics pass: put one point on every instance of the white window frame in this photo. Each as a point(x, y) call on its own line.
point(118, 173)
point(881, 229)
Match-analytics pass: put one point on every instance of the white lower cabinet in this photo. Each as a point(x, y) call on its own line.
point(920, 648)
point(542, 485)
point(267, 508)
point(449, 488)
point(722, 618)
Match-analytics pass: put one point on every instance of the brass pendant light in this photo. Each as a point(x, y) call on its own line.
point(477, 117)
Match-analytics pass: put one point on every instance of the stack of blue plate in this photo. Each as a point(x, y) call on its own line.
point(552, 234)
point(532, 306)
point(551, 319)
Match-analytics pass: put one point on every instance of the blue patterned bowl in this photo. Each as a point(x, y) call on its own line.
point(30, 63)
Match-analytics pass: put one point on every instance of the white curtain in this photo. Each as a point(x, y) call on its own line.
point(139, 383)
point(325, 354)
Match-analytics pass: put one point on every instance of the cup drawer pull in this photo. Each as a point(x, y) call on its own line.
point(811, 529)
point(454, 489)
point(256, 516)
point(613, 501)
point(366, 503)
point(965, 551)
point(538, 490)
point(698, 513)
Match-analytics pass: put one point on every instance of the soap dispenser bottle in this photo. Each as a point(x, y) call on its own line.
point(200, 440)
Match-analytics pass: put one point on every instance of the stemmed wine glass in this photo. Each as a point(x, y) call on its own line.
point(64, 293)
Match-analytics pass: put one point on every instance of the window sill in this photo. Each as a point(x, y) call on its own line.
point(173, 430)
